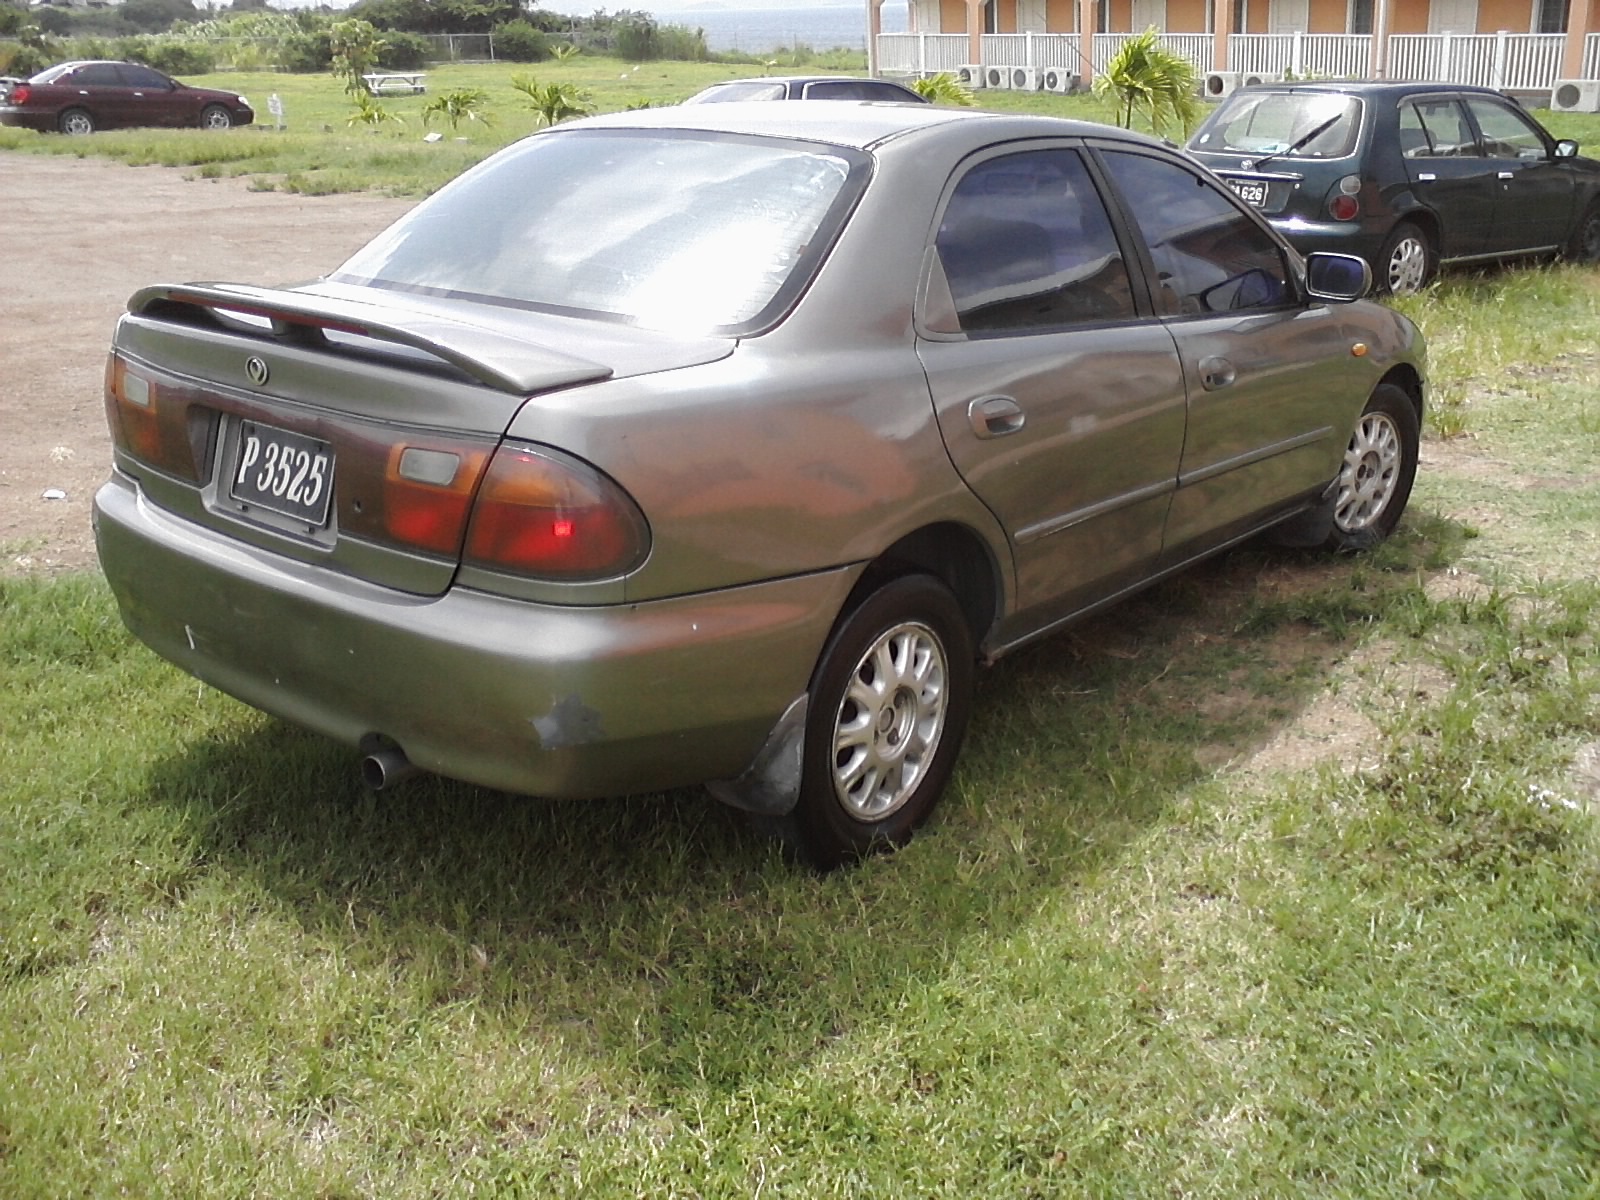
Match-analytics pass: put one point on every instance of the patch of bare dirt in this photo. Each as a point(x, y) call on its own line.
point(77, 238)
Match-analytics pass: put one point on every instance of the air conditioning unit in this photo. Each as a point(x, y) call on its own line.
point(1056, 79)
point(1575, 95)
point(1219, 84)
point(1257, 78)
point(1026, 79)
point(997, 77)
point(970, 75)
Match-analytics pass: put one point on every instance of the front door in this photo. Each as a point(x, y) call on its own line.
point(1254, 355)
point(1453, 16)
point(1534, 191)
point(1289, 16)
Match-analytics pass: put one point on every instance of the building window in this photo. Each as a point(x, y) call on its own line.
point(1360, 16)
point(1550, 16)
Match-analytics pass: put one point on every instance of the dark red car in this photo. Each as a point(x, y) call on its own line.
point(81, 97)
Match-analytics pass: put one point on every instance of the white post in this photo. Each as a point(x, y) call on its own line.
point(1497, 79)
point(1297, 55)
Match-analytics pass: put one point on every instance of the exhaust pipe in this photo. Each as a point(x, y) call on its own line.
point(385, 766)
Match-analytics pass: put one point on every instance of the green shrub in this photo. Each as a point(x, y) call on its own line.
point(175, 56)
point(306, 53)
point(519, 41)
point(404, 51)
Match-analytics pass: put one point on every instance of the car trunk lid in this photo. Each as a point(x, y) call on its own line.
point(337, 429)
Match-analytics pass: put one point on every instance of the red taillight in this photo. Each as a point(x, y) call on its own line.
point(1344, 208)
point(20, 94)
point(541, 513)
point(427, 494)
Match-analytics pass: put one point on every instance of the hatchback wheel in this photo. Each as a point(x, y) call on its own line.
point(76, 122)
point(1584, 245)
point(1406, 262)
point(889, 706)
point(1380, 463)
point(214, 116)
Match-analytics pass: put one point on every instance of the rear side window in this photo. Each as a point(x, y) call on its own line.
point(1026, 245)
point(1436, 128)
point(1209, 256)
point(95, 75)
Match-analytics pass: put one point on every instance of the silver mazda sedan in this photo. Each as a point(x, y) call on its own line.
point(720, 444)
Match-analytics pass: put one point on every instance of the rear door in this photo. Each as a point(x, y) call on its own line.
point(154, 99)
point(98, 88)
point(1059, 397)
point(1449, 174)
point(1268, 412)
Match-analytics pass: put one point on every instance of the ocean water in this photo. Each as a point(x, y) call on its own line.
point(752, 30)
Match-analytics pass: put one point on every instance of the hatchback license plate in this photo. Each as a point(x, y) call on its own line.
point(283, 472)
point(1251, 191)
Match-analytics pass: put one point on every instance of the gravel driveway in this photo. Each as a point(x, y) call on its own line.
point(77, 237)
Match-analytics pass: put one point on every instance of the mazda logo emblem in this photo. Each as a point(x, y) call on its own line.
point(256, 368)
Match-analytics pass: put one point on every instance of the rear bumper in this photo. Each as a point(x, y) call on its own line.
point(21, 118)
point(535, 698)
point(1339, 237)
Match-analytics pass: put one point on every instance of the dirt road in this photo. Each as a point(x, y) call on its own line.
point(77, 237)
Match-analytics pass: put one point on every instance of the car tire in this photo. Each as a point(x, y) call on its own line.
point(1584, 244)
point(1406, 262)
point(75, 122)
point(1380, 465)
point(215, 116)
point(890, 699)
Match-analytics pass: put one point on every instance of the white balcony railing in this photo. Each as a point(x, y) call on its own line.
point(1518, 61)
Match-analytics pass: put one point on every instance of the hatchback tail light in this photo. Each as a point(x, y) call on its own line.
point(1344, 204)
point(540, 513)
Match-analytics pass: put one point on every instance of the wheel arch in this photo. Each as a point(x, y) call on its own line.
point(953, 554)
point(1408, 379)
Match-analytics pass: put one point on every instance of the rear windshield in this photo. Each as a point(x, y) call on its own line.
point(755, 89)
point(702, 232)
point(1283, 124)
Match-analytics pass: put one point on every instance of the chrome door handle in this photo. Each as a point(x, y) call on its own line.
point(1507, 175)
point(1216, 372)
point(995, 416)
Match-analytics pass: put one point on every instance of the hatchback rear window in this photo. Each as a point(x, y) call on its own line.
point(710, 233)
point(1283, 124)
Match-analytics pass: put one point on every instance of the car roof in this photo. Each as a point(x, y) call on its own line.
point(857, 124)
point(1374, 89)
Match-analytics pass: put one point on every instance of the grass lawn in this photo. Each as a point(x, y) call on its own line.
point(1282, 879)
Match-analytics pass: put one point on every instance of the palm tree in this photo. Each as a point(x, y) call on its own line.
point(945, 88)
point(554, 102)
point(1145, 74)
point(463, 104)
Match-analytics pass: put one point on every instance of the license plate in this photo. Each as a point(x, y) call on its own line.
point(283, 472)
point(1251, 191)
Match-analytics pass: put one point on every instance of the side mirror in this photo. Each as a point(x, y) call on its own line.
point(1339, 278)
point(1566, 148)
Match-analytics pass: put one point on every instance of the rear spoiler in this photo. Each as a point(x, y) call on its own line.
point(506, 363)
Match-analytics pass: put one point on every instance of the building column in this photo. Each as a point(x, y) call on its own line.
point(874, 29)
point(1222, 30)
point(1088, 14)
point(1382, 24)
point(975, 30)
point(1582, 20)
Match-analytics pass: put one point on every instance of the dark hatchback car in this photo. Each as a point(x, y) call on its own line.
point(1406, 175)
point(81, 97)
point(807, 87)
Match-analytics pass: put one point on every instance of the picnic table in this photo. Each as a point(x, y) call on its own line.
point(411, 82)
